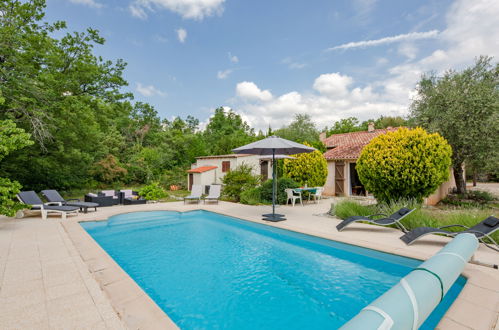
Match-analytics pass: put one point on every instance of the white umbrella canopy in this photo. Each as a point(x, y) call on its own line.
point(271, 146)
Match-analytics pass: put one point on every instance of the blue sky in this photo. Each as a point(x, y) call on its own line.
point(269, 60)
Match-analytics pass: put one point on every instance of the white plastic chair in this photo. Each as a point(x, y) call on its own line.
point(291, 196)
point(317, 195)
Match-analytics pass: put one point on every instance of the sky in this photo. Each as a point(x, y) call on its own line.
point(270, 60)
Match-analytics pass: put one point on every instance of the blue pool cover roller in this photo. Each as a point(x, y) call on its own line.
point(411, 301)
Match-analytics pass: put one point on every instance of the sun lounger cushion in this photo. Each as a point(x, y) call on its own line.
point(491, 222)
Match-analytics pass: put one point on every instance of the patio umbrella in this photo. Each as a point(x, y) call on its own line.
point(273, 145)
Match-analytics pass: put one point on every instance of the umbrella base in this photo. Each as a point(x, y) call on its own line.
point(273, 217)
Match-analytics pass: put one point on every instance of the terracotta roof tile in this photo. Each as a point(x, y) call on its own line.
point(202, 169)
point(349, 145)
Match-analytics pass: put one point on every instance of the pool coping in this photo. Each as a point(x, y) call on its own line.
point(474, 307)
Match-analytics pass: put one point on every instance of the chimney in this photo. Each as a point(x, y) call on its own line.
point(322, 136)
point(370, 127)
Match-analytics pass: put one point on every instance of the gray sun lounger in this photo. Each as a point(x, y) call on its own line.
point(482, 230)
point(214, 193)
point(196, 192)
point(31, 198)
point(53, 196)
point(393, 219)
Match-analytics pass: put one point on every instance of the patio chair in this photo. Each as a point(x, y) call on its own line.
point(482, 230)
point(31, 198)
point(130, 197)
point(214, 193)
point(291, 194)
point(53, 196)
point(317, 195)
point(196, 192)
point(393, 219)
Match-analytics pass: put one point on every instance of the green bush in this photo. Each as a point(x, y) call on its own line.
point(153, 192)
point(251, 196)
point(282, 184)
point(239, 180)
point(307, 169)
point(407, 163)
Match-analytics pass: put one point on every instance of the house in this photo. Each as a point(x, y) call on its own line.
point(342, 154)
point(211, 169)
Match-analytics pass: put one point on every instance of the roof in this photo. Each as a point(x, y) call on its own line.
point(349, 145)
point(202, 169)
point(224, 156)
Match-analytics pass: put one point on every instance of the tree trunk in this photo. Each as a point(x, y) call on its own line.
point(475, 178)
point(459, 177)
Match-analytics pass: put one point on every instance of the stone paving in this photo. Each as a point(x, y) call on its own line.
point(53, 275)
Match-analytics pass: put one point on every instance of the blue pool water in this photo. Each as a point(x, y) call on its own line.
point(209, 271)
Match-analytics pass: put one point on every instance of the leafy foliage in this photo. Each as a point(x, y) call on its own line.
point(404, 164)
point(464, 108)
point(153, 192)
point(282, 185)
point(108, 170)
point(238, 180)
point(307, 169)
point(11, 139)
point(251, 196)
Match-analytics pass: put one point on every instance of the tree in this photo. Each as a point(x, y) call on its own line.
point(346, 125)
point(464, 108)
point(301, 129)
point(225, 131)
point(57, 90)
point(307, 169)
point(404, 164)
point(11, 139)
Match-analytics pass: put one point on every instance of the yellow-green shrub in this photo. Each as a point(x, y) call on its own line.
point(308, 168)
point(407, 163)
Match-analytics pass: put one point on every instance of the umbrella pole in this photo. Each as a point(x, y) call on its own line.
point(273, 182)
point(273, 217)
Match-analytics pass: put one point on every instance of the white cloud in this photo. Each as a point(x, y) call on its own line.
point(233, 58)
point(181, 34)
point(149, 90)
point(137, 11)
point(471, 30)
point(247, 90)
point(333, 84)
point(224, 74)
point(189, 9)
point(89, 3)
point(387, 40)
point(409, 50)
point(293, 64)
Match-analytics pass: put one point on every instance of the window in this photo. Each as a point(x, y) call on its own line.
point(225, 166)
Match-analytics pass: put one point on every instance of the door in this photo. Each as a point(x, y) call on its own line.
point(339, 179)
point(191, 178)
point(264, 170)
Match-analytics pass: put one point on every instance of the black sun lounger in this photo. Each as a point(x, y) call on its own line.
point(393, 219)
point(53, 196)
point(481, 230)
point(31, 198)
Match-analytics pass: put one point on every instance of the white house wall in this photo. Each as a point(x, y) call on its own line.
point(215, 176)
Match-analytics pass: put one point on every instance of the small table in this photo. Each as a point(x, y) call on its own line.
point(311, 191)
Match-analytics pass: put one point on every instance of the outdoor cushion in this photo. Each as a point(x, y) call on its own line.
point(491, 222)
point(92, 195)
point(109, 193)
point(128, 193)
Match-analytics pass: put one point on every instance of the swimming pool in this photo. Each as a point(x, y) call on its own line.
point(206, 270)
